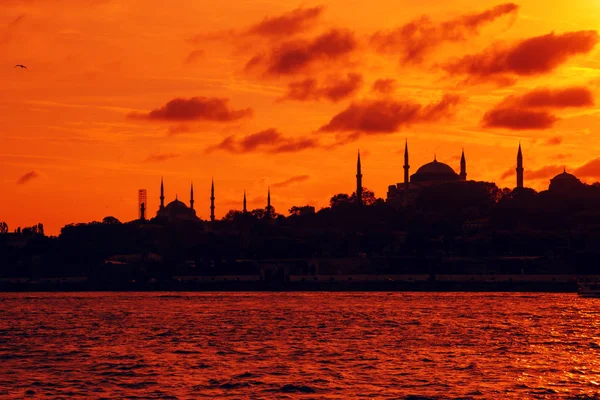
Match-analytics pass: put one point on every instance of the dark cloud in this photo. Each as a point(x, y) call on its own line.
point(297, 56)
point(267, 141)
point(546, 172)
point(194, 56)
point(553, 141)
point(554, 98)
point(518, 119)
point(414, 40)
point(591, 169)
point(195, 108)
point(533, 56)
point(508, 173)
point(28, 177)
point(384, 86)
point(387, 116)
point(334, 89)
point(289, 23)
point(532, 110)
point(161, 157)
point(290, 181)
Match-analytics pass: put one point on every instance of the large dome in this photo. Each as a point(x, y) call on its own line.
point(177, 211)
point(176, 206)
point(565, 182)
point(434, 171)
point(565, 176)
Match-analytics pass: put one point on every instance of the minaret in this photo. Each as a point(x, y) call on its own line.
point(463, 166)
point(519, 167)
point(212, 201)
point(192, 196)
point(359, 188)
point(245, 209)
point(406, 169)
point(162, 194)
point(268, 203)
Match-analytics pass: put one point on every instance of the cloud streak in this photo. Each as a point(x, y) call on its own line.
point(414, 40)
point(591, 169)
point(267, 141)
point(534, 56)
point(159, 157)
point(290, 23)
point(388, 116)
point(195, 109)
point(384, 86)
point(28, 177)
point(534, 110)
point(334, 89)
point(291, 181)
point(297, 56)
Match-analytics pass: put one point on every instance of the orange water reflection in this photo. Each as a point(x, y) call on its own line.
point(308, 345)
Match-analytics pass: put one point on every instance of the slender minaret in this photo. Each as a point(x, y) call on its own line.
point(162, 194)
point(245, 209)
point(406, 169)
point(519, 167)
point(192, 196)
point(212, 200)
point(463, 166)
point(359, 188)
point(269, 203)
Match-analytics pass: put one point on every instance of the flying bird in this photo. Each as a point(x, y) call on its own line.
point(21, 66)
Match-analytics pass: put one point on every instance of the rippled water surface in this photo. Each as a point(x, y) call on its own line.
point(299, 345)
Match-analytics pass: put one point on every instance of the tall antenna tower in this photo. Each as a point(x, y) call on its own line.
point(142, 204)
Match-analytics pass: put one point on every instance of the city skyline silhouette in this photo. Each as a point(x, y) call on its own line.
point(282, 97)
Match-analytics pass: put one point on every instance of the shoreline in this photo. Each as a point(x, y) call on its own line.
point(566, 285)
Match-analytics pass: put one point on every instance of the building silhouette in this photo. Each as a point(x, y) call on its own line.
point(520, 168)
point(434, 173)
point(176, 210)
point(142, 203)
point(269, 208)
point(359, 187)
point(212, 200)
point(565, 184)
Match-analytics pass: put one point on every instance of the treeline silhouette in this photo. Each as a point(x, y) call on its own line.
point(452, 224)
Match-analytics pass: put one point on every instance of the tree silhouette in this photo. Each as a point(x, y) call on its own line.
point(302, 210)
point(110, 221)
point(368, 197)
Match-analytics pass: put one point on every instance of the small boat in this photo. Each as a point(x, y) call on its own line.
point(588, 287)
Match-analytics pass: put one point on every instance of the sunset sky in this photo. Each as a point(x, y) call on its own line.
point(275, 93)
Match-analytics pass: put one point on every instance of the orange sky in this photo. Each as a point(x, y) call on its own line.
point(281, 94)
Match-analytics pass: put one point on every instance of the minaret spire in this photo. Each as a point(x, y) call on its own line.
point(359, 188)
point(519, 167)
point(406, 170)
point(245, 209)
point(269, 208)
point(463, 166)
point(162, 194)
point(192, 196)
point(212, 200)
